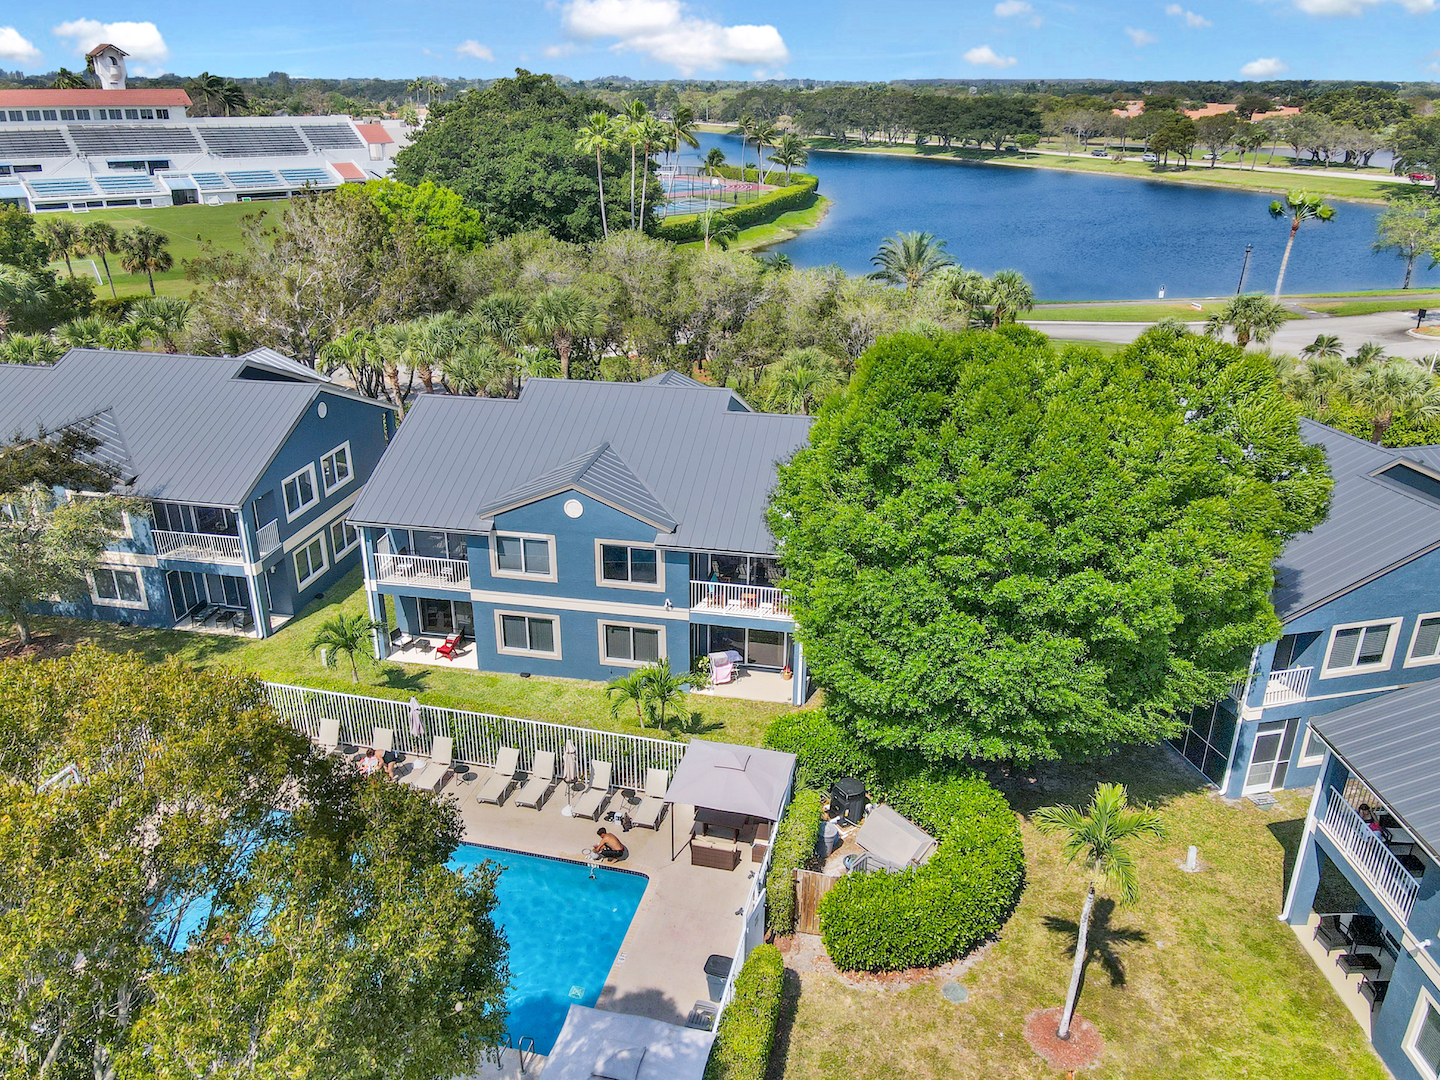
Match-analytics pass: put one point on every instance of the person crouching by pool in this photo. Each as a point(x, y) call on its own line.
point(373, 763)
point(610, 845)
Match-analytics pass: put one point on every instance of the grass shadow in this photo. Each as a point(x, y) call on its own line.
point(1152, 775)
point(1103, 943)
point(397, 678)
point(693, 724)
point(784, 1025)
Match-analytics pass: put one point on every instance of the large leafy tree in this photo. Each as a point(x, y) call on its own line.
point(1001, 552)
point(199, 894)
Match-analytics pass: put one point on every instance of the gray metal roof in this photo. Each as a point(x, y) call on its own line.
point(1393, 743)
point(708, 467)
point(685, 382)
point(279, 362)
point(600, 473)
point(1373, 526)
point(188, 428)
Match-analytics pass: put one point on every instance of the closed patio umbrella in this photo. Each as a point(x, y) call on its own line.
point(417, 727)
point(570, 767)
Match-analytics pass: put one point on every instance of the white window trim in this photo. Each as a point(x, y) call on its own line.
point(1412, 1033)
point(1307, 757)
point(304, 508)
point(1327, 672)
point(127, 529)
point(341, 552)
point(143, 604)
point(504, 650)
point(300, 582)
point(349, 464)
point(521, 575)
point(1421, 661)
point(604, 583)
point(609, 661)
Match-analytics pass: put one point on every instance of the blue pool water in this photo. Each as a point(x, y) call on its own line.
point(564, 931)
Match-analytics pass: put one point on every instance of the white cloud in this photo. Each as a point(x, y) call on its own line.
point(556, 52)
point(985, 56)
point(1141, 38)
point(16, 48)
point(663, 30)
point(1332, 8)
point(1017, 9)
point(1267, 67)
point(1191, 19)
point(474, 49)
point(1434, 65)
point(141, 40)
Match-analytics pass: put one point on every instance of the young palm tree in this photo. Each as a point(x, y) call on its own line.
point(713, 160)
point(801, 382)
point(144, 250)
point(1252, 316)
point(1010, 296)
point(909, 258)
point(18, 290)
point(1097, 839)
point(1324, 345)
point(715, 226)
point(560, 317)
point(1369, 353)
point(344, 634)
point(30, 349)
point(663, 689)
point(790, 152)
point(87, 333)
point(63, 237)
point(100, 238)
point(161, 318)
point(1298, 206)
point(65, 79)
point(629, 689)
point(597, 136)
point(1394, 390)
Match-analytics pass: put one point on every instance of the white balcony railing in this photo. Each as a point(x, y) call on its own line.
point(419, 570)
point(268, 538)
point(198, 547)
point(756, 601)
point(1287, 687)
point(1376, 863)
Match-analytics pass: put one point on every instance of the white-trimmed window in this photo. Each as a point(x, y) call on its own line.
point(343, 537)
point(310, 562)
point(300, 492)
point(1425, 641)
point(1312, 750)
point(630, 644)
point(1356, 648)
point(115, 586)
point(1422, 1037)
point(519, 633)
point(523, 555)
point(626, 566)
point(335, 470)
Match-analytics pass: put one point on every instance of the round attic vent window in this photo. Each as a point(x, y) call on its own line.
point(322, 410)
point(573, 508)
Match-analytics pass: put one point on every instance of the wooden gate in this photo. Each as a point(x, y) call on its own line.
point(809, 888)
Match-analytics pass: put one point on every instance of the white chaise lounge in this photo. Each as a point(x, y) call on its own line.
point(428, 776)
point(542, 781)
point(651, 810)
point(592, 800)
point(502, 781)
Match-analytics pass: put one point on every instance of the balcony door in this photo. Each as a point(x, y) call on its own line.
point(446, 616)
point(1270, 756)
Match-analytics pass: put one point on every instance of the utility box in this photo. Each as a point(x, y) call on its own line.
point(847, 800)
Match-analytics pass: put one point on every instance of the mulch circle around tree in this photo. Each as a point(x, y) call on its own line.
point(1080, 1051)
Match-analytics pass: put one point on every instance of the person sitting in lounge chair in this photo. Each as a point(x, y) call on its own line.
point(373, 763)
point(610, 845)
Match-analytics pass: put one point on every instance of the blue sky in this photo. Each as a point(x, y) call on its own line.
point(838, 39)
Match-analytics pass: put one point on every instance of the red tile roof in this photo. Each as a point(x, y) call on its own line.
point(171, 98)
point(347, 170)
point(374, 133)
point(102, 47)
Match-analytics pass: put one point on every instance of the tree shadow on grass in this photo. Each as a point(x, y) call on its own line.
point(1103, 944)
point(397, 678)
point(693, 724)
point(1288, 835)
point(1153, 775)
point(784, 1025)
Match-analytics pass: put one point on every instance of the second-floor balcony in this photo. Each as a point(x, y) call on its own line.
point(198, 547)
point(268, 538)
point(421, 570)
point(728, 598)
point(1287, 687)
point(1367, 851)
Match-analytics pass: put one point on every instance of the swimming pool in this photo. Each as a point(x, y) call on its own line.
point(564, 930)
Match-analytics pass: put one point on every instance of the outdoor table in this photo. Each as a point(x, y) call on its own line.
point(1353, 962)
point(727, 823)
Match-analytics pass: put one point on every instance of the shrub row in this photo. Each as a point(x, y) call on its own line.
point(776, 177)
point(800, 194)
point(927, 915)
point(747, 1027)
point(793, 847)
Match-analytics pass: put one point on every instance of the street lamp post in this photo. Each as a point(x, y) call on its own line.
point(1244, 267)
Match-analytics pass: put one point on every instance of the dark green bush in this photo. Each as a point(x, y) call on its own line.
point(792, 848)
point(800, 194)
point(825, 750)
point(747, 1027)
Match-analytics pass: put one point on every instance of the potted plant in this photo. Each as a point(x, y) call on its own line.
point(786, 673)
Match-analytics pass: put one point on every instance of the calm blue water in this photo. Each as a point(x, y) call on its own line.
point(564, 931)
point(1081, 237)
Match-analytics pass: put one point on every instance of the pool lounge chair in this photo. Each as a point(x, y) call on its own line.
point(502, 781)
point(541, 782)
point(651, 810)
point(383, 740)
point(329, 738)
point(428, 776)
point(593, 799)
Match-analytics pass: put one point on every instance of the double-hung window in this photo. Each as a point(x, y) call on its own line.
point(631, 645)
point(300, 492)
point(1422, 1039)
point(335, 468)
point(623, 566)
point(310, 562)
point(343, 537)
point(1356, 648)
point(115, 587)
point(523, 555)
point(517, 632)
point(1425, 641)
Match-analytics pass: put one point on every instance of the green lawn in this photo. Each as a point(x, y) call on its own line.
point(784, 227)
point(1369, 307)
point(1141, 312)
point(285, 658)
point(1105, 348)
point(1197, 980)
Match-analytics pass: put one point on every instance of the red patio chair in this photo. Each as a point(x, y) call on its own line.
point(452, 643)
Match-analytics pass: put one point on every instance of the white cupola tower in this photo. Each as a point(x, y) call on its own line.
point(108, 63)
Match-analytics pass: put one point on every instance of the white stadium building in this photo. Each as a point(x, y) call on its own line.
point(87, 149)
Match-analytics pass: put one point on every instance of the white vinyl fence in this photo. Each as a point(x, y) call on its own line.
point(477, 736)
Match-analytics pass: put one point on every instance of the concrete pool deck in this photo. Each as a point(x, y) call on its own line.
point(686, 914)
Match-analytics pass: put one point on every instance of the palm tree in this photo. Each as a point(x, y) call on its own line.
point(473, 368)
point(968, 288)
point(765, 134)
point(630, 688)
point(801, 381)
point(714, 225)
point(1097, 839)
point(1314, 383)
point(415, 86)
point(597, 136)
point(560, 317)
point(1324, 346)
point(663, 688)
point(1010, 296)
point(87, 333)
point(231, 97)
point(144, 250)
point(747, 126)
point(161, 318)
point(434, 89)
point(392, 342)
point(1298, 206)
point(682, 128)
point(65, 79)
point(30, 349)
point(100, 238)
point(63, 237)
point(358, 353)
point(347, 634)
point(206, 89)
point(1252, 316)
point(790, 152)
point(651, 133)
point(1394, 390)
point(630, 119)
point(1369, 353)
point(908, 258)
point(18, 290)
point(713, 160)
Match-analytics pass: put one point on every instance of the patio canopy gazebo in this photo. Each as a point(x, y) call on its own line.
point(744, 780)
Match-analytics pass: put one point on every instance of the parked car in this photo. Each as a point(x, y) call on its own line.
point(1097, 153)
point(1420, 177)
point(1150, 157)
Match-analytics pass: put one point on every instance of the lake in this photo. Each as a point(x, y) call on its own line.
point(1077, 236)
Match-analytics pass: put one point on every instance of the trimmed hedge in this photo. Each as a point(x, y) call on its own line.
point(747, 1027)
point(793, 847)
point(927, 915)
point(775, 177)
point(800, 194)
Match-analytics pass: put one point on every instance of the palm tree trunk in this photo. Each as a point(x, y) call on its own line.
point(1079, 966)
point(632, 185)
point(354, 671)
point(644, 184)
point(110, 277)
point(151, 277)
point(1279, 281)
point(1409, 268)
point(68, 268)
point(562, 346)
point(600, 179)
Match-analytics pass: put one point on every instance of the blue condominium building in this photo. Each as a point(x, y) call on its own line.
point(248, 465)
point(583, 530)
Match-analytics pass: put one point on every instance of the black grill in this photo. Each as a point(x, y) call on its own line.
point(847, 799)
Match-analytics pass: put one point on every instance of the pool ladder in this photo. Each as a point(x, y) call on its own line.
point(525, 1044)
